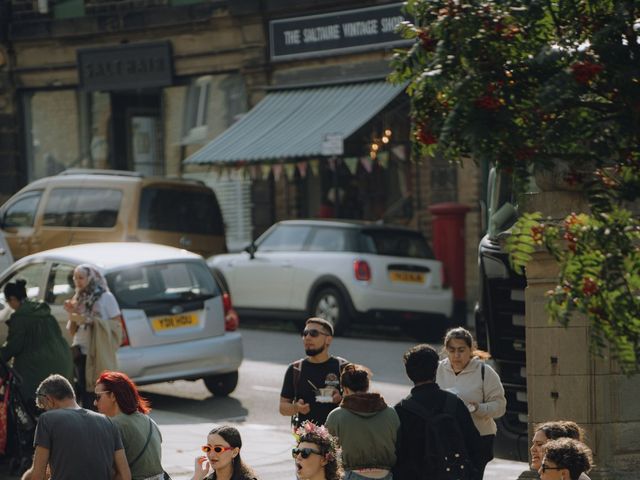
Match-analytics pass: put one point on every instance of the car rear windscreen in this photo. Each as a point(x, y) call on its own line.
point(162, 283)
point(176, 210)
point(396, 243)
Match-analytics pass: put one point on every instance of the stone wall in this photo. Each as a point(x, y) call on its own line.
point(565, 380)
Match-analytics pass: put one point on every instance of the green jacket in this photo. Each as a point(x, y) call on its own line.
point(367, 430)
point(37, 346)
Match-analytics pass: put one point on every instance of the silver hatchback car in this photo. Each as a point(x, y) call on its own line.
point(174, 313)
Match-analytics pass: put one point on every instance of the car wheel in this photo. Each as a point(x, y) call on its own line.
point(330, 305)
point(222, 385)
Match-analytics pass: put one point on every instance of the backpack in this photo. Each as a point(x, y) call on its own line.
point(445, 453)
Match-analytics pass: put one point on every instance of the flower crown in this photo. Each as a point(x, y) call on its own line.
point(311, 428)
point(321, 432)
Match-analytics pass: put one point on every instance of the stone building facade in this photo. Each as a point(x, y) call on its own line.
point(144, 85)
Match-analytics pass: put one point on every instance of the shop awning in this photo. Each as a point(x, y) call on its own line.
point(294, 123)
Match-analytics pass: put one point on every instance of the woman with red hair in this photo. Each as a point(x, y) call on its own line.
point(118, 397)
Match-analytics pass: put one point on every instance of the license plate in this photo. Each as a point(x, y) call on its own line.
point(407, 277)
point(175, 321)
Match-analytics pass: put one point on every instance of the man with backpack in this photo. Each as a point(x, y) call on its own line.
point(437, 438)
point(311, 387)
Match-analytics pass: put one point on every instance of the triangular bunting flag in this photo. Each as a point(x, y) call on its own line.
point(366, 163)
point(302, 169)
point(352, 164)
point(254, 172)
point(290, 170)
point(400, 152)
point(332, 164)
point(315, 167)
point(265, 169)
point(383, 158)
point(277, 171)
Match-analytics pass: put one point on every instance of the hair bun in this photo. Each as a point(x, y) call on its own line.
point(21, 283)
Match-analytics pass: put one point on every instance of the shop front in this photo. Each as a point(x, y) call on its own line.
point(331, 138)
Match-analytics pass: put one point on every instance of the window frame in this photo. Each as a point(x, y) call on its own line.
point(197, 109)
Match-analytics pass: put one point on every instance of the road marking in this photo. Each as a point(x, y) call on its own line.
point(261, 388)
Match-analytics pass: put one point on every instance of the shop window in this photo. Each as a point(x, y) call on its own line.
point(196, 110)
point(52, 132)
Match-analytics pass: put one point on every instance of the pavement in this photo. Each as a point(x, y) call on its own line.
point(265, 447)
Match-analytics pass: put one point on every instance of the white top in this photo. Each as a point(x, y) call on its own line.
point(106, 308)
point(468, 385)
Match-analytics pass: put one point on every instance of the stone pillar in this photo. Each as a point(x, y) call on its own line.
point(566, 381)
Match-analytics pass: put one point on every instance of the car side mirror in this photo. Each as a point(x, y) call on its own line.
point(251, 250)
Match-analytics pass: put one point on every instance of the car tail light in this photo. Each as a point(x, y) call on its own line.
point(231, 319)
point(361, 270)
point(125, 334)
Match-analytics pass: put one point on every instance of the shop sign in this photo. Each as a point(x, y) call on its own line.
point(125, 67)
point(332, 144)
point(337, 32)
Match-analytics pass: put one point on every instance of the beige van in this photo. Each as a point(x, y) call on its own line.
point(86, 206)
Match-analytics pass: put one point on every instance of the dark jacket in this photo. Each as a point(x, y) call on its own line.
point(37, 346)
point(411, 437)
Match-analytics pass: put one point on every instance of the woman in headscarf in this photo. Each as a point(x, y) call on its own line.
point(94, 322)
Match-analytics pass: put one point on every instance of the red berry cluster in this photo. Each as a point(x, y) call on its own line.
point(488, 102)
point(537, 233)
point(589, 286)
point(425, 135)
point(584, 72)
point(426, 40)
point(569, 235)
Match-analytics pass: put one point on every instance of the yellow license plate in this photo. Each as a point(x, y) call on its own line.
point(407, 277)
point(175, 321)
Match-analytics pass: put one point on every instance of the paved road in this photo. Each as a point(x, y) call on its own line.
point(186, 411)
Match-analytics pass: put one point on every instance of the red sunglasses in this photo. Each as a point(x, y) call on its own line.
point(217, 448)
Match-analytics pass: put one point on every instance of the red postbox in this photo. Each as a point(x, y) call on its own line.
point(449, 243)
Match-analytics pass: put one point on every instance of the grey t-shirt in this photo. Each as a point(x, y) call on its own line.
point(81, 443)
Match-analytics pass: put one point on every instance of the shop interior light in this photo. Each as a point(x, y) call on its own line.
point(387, 133)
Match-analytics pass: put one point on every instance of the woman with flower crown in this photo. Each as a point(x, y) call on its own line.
point(317, 454)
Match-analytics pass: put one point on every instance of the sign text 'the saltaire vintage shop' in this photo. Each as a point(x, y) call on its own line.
point(336, 32)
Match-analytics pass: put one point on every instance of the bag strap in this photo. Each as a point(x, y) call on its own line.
point(297, 373)
point(482, 376)
point(132, 462)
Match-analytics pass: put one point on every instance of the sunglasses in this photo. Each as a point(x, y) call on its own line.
point(545, 467)
point(313, 334)
point(40, 398)
point(305, 452)
point(100, 394)
point(217, 448)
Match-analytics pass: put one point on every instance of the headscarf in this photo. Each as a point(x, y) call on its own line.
point(96, 285)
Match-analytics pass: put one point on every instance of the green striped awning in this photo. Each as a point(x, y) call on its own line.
point(294, 123)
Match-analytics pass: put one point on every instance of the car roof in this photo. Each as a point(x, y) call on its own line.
point(70, 178)
point(345, 223)
point(113, 255)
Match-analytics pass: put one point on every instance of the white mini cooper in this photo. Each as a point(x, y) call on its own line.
point(344, 271)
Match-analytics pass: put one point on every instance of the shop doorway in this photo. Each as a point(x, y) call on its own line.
point(137, 142)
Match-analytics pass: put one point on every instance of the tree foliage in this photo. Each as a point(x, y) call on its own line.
point(525, 84)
